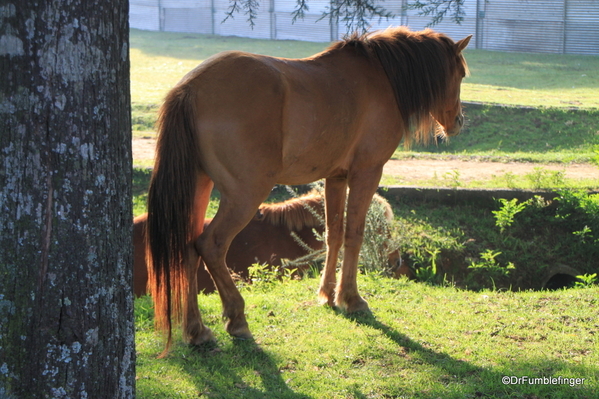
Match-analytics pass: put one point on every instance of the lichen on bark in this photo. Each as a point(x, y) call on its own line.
point(66, 304)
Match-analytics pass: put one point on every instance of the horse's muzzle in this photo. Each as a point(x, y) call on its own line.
point(457, 125)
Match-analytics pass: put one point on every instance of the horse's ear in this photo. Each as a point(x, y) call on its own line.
point(461, 45)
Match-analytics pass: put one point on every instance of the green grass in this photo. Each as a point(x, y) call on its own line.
point(547, 80)
point(548, 135)
point(420, 342)
point(160, 59)
point(141, 182)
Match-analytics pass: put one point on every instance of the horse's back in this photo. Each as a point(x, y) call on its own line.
point(289, 121)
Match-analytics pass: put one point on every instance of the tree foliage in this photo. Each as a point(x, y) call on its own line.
point(357, 15)
point(439, 10)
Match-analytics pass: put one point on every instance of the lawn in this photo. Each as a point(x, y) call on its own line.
point(420, 342)
point(545, 80)
point(427, 339)
point(160, 59)
point(540, 135)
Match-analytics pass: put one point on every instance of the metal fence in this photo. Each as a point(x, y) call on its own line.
point(547, 26)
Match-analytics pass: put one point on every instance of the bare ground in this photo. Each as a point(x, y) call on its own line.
point(418, 170)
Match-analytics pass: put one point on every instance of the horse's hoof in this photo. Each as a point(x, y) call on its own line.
point(205, 336)
point(355, 305)
point(326, 298)
point(240, 331)
point(245, 335)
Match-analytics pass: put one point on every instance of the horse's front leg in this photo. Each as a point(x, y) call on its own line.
point(194, 331)
point(362, 187)
point(335, 192)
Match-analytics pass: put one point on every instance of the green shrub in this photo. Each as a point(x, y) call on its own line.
point(488, 268)
point(505, 215)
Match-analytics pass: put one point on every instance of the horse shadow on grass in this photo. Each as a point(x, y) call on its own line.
point(215, 371)
point(476, 379)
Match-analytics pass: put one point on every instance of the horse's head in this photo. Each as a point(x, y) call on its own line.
point(449, 114)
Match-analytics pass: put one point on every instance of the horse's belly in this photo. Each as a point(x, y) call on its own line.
point(308, 156)
point(308, 173)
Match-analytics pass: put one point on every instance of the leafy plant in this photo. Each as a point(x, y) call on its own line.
point(453, 177)
point(584, 234)
point(542, 178)
point(586, 280)
point(263, 275)
point(377, 243)
point(595, 158)
point(505, 215)
point(488, 267)
point(578, 211)
point(428, 274)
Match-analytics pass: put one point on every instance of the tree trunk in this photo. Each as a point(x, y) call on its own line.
point(66, 304)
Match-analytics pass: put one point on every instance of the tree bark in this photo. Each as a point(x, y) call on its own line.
point(66, 303)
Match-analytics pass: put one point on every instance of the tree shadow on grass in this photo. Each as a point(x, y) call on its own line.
point(486, 382)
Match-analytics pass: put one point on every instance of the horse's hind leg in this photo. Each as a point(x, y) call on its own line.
point(335, 192)
point(194, 331)
point(234, 213)
point(362, 186)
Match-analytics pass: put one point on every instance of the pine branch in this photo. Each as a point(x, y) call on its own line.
point(439, 10)
point(357, 15)
point(300, 10)
point(249, 8)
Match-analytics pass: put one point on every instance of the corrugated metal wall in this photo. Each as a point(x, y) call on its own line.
point(548, 26)
point(582, 27)
point(523, 25)
point(144, 14)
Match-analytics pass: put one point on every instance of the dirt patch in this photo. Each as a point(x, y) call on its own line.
point(143, 149)
point(418, 170)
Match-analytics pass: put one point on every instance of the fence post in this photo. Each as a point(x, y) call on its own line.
point(334, 24)
point(565, 27)
point(273, 19)
point(404, 13)
point(212, 13)
point(160, 16)
point(480, 16)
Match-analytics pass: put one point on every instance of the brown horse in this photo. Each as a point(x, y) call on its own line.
point(268, 238)
point(243, 122)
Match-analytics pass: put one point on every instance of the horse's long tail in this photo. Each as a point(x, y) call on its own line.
point(171, 200)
